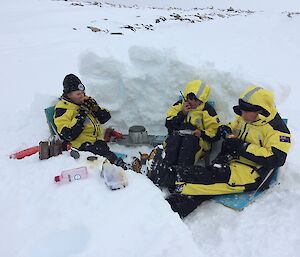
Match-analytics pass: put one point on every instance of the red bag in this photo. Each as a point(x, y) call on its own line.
point(117, 135)
point(24, 153)
point(29, 151)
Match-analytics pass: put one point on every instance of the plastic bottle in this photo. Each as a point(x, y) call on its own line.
point(67, 176)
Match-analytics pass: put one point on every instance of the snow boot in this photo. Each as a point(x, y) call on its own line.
point(144, 157)
point(139, 164)
point(136, 165)
point(158, 171)
point(119, 162)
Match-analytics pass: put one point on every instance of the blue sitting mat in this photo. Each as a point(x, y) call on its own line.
point(49, 112)
point(120, 155)
point(239, 201)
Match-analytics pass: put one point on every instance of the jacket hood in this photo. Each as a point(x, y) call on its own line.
point(199, 88)
point(257, 99)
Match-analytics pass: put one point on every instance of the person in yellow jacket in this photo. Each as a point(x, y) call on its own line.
point(192, 125)
point(256, 143)
point(79, 120)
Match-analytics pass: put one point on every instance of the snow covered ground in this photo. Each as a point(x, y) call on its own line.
point(138, 75)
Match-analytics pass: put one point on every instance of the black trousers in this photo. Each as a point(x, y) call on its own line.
point(100, 148)
point(166, 176)
point(181, 150)
point(185, 204)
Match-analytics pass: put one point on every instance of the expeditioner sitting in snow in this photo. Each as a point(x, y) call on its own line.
point(79, 120)
point(192, 125)
point(257, 141)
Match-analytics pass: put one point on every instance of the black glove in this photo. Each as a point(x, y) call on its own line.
point(222, 159)
point(234, 146)
point(91, 104)
point(223, 131)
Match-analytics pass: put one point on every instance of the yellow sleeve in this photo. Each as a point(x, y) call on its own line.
point(233, 125)
point(272, 152)
point(174, 110)
point(66, 120)
point(211, 124)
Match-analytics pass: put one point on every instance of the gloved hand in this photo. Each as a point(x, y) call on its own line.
point(221, 160)
point(234, 146)
point(197, 133)
point(91, 104)
point(224, 131)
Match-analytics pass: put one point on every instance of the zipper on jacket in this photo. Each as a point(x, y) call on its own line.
point(237, 133)
point(94, 133)
point(96, 126)
point(260, 141)
point(202, 122)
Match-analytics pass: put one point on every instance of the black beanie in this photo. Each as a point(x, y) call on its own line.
point(72, 83)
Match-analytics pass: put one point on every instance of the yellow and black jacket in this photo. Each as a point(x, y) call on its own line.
point(203, 118)
point(268, 141)
point(75, 129)
point(268, 137)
